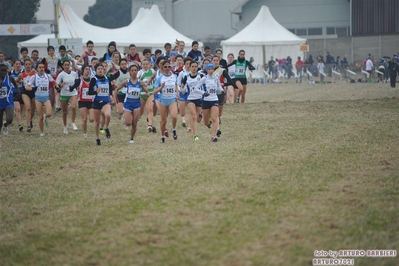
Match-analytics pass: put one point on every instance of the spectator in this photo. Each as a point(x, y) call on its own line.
point(299, 67)
point(369, 67)
point(329, 64)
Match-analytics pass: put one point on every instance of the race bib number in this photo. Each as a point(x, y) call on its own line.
point(104, 91)
point(3, 92)
point(240, 70)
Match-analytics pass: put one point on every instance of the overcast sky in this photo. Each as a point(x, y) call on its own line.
point(46, 9)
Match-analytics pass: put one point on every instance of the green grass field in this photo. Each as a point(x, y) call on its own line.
point(297, 169)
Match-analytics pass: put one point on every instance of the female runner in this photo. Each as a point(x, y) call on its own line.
point(66, 79)
point(166, 84)
point(17, 70)
point(241, 65)
point(6, 97)
point(210, 104)
point(28, 97)
point(101, 87)
point(132, 104)
point(147, 75)
point(40, 84)
point(85, 101)
point(194, 96)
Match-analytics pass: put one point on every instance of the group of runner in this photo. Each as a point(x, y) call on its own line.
point(166, 81)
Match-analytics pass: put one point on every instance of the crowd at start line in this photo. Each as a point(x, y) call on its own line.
point(168, 82)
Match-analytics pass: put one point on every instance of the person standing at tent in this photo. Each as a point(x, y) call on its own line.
point(299, 67)
point(241, 65)
point(166, 84)
point(320, 69)
point(393, 69)
point(88, 55)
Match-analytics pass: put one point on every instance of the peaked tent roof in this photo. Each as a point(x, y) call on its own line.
point(148, 29)
point(152, 31)
point(264, 30)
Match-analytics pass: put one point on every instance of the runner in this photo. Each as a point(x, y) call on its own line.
point(52, 69)
point(28, 97)
point(133, 57)
point(6, 97)
point(241, 66)
point(232, 92)
point(132, 104)
point(85, 101)
point(166, 84)
point(210, 104)
point(180, 48)
point(147, 75)
point(40, 84)
point(66, 79)
point(120, 76)
point(195, 54)
point(183, 96)
point(225, 80)
point(17, 100)
point(101, 87)
point(108, 55)
point(88, 55)
point(194, 96)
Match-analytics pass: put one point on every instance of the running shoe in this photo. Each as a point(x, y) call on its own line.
point(189, 130)
point(154, 129)
point(174, 134)
point(102, 131)
point(218, 132)
point(20, 128)
point(58, 108)
point(214, 139)
point(29, 129)
point(42, 134)
point(149, 129)
point(5, 130)
point(183, 124)
point(107, 133)
point(65, 130)
point(163, 139)
point(85, 135)
point(131, 141)
point(126, 127)
point(196, 138)
point(98, 141)
point(166, 133)
point(209, 125)
point(45, 120)
point(74, 126)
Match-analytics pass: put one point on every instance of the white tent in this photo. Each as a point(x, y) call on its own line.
point(262, 38)
point(147, 30)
